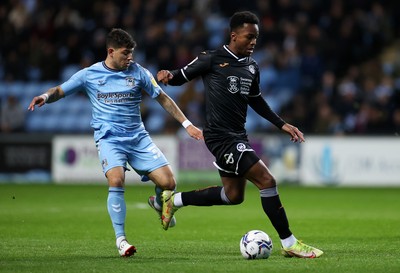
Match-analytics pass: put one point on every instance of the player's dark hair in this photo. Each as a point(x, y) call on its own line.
point(242, 17)
point(118, 38)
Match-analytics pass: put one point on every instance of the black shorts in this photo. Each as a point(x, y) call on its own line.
point(234, 159)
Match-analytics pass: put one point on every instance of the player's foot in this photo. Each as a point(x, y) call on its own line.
point(301, 250)
point(151, 201)
point(125, 249)
point(168, 208)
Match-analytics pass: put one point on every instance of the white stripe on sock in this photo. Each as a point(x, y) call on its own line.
point(178, 200)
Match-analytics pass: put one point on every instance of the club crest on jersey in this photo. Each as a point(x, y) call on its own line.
point(241, 147)
point(252, 69)
point(130, 81)
point(233, 83)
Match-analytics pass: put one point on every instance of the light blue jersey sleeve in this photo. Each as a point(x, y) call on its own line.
point(150, 84)
point(75, 83)
point(115, 97)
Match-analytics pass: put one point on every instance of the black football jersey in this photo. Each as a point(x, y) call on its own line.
point(229, 81)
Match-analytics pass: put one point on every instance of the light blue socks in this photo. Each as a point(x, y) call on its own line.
point(117, 209)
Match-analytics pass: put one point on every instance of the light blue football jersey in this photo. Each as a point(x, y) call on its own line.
point(115, 96)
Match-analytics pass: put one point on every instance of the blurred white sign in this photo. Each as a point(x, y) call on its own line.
point(350, 161)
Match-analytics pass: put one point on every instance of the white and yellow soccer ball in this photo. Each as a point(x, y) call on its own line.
point(255, 244)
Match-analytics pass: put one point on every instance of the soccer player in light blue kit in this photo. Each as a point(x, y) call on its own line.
point(114, 88)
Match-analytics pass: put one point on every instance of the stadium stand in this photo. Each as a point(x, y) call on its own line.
point(330, 67)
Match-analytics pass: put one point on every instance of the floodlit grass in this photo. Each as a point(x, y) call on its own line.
point(54, 228)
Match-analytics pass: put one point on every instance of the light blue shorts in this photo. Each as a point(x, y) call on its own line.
point(139, 152)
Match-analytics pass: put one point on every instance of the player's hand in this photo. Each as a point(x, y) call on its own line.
point(194, 132)
point(164, 76)
point(39, 101)
point(295, 134)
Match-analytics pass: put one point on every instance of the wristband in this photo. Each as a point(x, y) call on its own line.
point(186, 123)
point(45, 97)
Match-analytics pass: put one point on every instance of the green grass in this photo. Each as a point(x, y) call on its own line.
point(54, 228)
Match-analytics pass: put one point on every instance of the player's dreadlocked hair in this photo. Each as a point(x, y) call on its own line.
point(118, 38)
point(242, 17)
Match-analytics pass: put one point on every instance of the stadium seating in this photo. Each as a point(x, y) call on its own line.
point(72, 115)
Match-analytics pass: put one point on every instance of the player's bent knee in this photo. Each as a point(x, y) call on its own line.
point(169, 184)
point(236, 200)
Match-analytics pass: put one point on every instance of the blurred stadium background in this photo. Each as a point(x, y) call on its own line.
point(332, 68)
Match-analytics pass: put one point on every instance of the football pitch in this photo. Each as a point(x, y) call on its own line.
point(54, 228)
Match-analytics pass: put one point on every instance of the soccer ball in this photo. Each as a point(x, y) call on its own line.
point(255, 244)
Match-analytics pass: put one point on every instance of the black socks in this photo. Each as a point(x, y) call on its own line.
point(276, 213)
point(203, 197)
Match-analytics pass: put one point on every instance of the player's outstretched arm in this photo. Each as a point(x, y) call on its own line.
point(295, 134)
point(170, 106)
point(51, 95)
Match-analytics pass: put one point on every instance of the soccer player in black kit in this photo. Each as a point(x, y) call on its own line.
point(231, 79)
